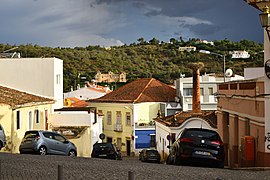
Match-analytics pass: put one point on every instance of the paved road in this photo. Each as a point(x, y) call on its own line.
point(16, 166)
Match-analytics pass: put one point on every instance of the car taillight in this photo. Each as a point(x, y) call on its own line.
point(216, 143)
point(186, 140)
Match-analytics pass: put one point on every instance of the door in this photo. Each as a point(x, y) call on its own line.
point(49, 142)
point(61, 145)
point(128, 147)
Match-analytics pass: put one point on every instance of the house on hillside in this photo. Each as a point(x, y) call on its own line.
point(129, 112)
point(39, 76)
point(82, 125)
point(20, 112)
point(169, 127)
point(110, 77)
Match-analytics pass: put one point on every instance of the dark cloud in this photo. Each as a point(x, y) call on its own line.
point(205, 29)
point(152, 13)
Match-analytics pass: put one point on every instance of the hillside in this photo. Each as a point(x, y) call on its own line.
point(156, 59)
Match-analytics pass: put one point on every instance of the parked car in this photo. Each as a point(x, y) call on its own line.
point(46, 142)
point(2, 137)
point(197, 145)
point(106, 151)
point(149, 155)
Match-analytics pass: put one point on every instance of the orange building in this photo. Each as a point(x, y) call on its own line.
point(241, 122)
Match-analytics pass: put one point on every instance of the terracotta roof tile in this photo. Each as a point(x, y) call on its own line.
point(141, 90)
point(14, 97)
point(179, 118)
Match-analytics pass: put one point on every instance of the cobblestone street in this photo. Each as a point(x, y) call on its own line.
point(16, 166)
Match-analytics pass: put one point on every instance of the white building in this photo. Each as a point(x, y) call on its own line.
point(187, 48)
point(168, 128)
point(81, 125)
point(239, 54)
point(208, 88)
point(39, 76)
point(86, 93)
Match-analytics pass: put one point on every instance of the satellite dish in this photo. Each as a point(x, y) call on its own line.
point(228, 73)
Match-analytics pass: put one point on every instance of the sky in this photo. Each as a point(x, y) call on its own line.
point(80, 23)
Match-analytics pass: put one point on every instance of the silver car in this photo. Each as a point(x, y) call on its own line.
point(2, 137)
point(46, 142)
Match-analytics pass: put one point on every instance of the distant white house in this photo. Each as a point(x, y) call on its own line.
point(91, 91)
point(239, 54)
point(208, 88)
point(38, 76)
point(187, 48)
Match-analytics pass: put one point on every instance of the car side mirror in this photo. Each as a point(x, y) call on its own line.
point(66, 142)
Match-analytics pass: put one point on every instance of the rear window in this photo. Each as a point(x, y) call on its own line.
point(151, 152)
point(31, 135)
point(211, 135)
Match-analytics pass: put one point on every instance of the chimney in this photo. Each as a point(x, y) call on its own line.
point(196, 102)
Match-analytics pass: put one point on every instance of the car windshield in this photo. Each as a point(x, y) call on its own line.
point(202, 134)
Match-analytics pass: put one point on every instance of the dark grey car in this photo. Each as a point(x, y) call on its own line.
point(2, 137)
point(46, 142)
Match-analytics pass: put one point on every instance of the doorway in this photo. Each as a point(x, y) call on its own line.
point(128, 147)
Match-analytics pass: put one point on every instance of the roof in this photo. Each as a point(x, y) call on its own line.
point(141, 90)
point(179, 118)
point(15, 98)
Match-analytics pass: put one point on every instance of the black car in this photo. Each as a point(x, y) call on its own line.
point(197, 145)
point(149, 155)
point(106, 151)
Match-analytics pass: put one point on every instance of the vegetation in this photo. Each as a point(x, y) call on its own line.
point(156, 59)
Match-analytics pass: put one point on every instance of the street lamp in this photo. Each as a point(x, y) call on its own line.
point(264, 16)
point(224, 67)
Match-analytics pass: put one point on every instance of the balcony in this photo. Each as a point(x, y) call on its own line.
point(118, 127)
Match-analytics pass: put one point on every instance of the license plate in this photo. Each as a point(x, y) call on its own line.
point(102, 155)
point(202, 153)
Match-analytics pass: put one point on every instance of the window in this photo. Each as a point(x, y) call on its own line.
point(30, 120)
point(118, 117)
point(37, 115)
point(201, 91)
point(59, 138)
point(152, 140)
point(210, 91)
point(58, 79)
point(187, 91)
point(48, 135)
point(18, 118)
point(109, 117)
point(128, 119)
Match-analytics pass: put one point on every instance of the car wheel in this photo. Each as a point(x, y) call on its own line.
point(42, 150)
point(1, 145)
point(220, 164)
point(168, 160)
point(72, 153)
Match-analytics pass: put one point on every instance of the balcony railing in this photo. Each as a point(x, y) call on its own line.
point(118, 127)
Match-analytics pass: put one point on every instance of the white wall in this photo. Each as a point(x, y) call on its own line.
point(34, 75)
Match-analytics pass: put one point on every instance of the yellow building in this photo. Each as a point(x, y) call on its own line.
point(19, 112)
point(134, 104)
